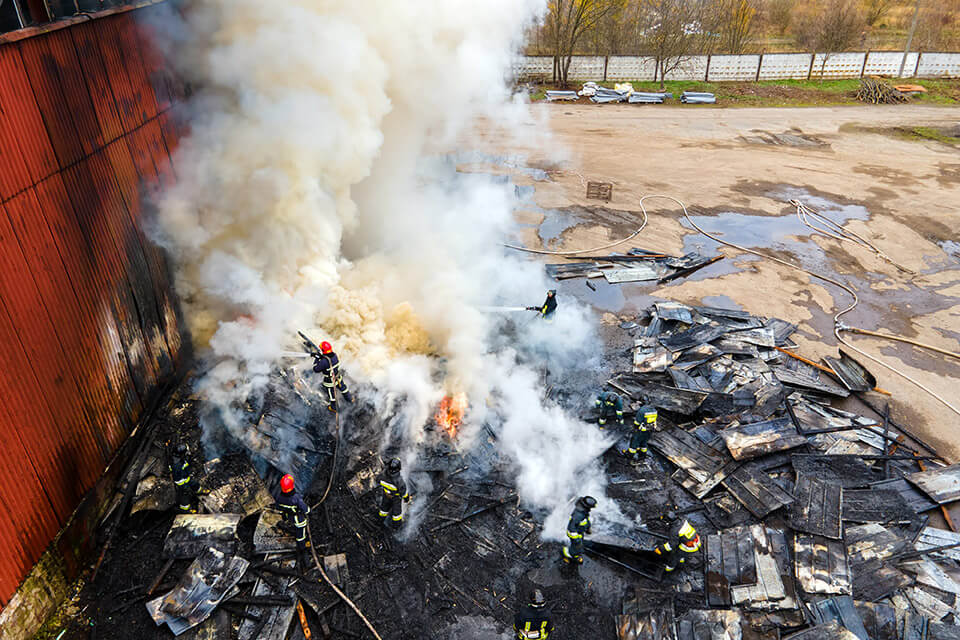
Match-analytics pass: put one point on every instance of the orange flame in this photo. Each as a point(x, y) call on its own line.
point(450, 413)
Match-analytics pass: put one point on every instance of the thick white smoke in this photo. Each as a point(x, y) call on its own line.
point(313, 195)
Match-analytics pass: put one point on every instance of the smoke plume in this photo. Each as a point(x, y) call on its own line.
point(315, 193)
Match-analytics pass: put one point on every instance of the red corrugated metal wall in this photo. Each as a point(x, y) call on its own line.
point(89, 327)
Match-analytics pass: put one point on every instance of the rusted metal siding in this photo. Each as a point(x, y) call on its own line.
point(89, 325)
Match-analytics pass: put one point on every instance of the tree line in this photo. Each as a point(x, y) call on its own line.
point(669, 30)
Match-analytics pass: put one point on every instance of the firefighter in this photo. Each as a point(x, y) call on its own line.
point(578, 526)
point(610, 405)
point(186, 485)
point(295, 512)
point(683, 539)
point(549, 306)
point(533, 620)
point(328, 363)
point(394, 494)
point(644, 423)
point(686, 538)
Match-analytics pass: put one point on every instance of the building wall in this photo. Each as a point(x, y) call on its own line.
point(89, 326)
point(749, 67)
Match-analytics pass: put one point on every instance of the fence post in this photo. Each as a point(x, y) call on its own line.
point(606, 61)
point(554, 69)
point(813, 57)
point(706, 75)
point(759, 66)
point(916, 69)
point(864, 67)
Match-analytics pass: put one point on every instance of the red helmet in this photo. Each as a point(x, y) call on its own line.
point(286, 483)
point(326, 347)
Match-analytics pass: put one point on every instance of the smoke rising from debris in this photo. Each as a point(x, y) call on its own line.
point(313, 195)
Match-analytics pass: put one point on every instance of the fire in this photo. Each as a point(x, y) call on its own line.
point(450, 413)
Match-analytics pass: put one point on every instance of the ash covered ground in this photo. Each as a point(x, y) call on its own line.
point(470, 552)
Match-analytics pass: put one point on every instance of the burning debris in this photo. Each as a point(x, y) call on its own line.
point(450, 413)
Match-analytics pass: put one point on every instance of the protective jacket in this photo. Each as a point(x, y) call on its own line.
point(578, 526)
point(394, 493)
point(185, 484)
point(532, 622)
point(549, 306)
point(295, 512)
point(328, 365)
point(610, 405)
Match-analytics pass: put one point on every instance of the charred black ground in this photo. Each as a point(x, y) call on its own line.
point(733, 410)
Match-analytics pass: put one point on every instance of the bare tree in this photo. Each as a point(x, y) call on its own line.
point(934, 25)
point(567, 22)
point(735, 21)
point(780, 14)
point(830, 26)
point(874, 10)
point(671, 30)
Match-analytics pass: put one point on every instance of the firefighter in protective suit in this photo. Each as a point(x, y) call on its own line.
point(549, 306)
point(533, 620)
point(327, 363)
point(185, 484)
point(610, 405)
point(295, 512)
point(578, 526)
point(394, 494)
point(644, 424)
point(683, 539)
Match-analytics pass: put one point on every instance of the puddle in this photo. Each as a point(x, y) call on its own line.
point(553, 225)
point(952, 249)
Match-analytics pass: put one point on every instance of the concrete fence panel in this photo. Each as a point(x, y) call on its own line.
point(724, 68)
point(838, 65)
point(621, 68)
point(939, 65)
point(690, 68)
point(785, 66)
point(533, 67)
point(887, 63)
point(586, 68)
point(744, 68)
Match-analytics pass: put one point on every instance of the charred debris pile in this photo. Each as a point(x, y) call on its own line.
point(818, 523)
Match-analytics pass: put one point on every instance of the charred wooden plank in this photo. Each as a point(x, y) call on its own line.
point(880, 620)
point(840, 609)
point(756, 491)
point(941, 485)
point(760, 438)
point(821, 565)
point(817, 508)
point(876, 505)
point(847, 472)
point(686, 451)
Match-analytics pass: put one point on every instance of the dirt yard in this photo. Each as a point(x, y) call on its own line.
point(737, 170)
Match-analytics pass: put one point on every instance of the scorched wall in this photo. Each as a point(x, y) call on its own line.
point(89, 327)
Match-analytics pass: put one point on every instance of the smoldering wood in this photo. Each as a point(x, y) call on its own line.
point(699, 460)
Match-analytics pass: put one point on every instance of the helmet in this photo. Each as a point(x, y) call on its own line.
point(181, 450)
point(552, 292)
point(326, 347)
point(286, 483)
point(537, 599)
point(587, 502)
point(393, 466)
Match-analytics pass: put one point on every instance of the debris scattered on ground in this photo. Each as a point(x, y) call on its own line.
point(635, 266)
point(697, 97)
point(561, 95)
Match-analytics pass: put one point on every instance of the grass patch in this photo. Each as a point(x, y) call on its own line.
point(934, 134)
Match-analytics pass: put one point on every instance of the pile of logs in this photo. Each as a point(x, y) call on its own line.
point(879, 92)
